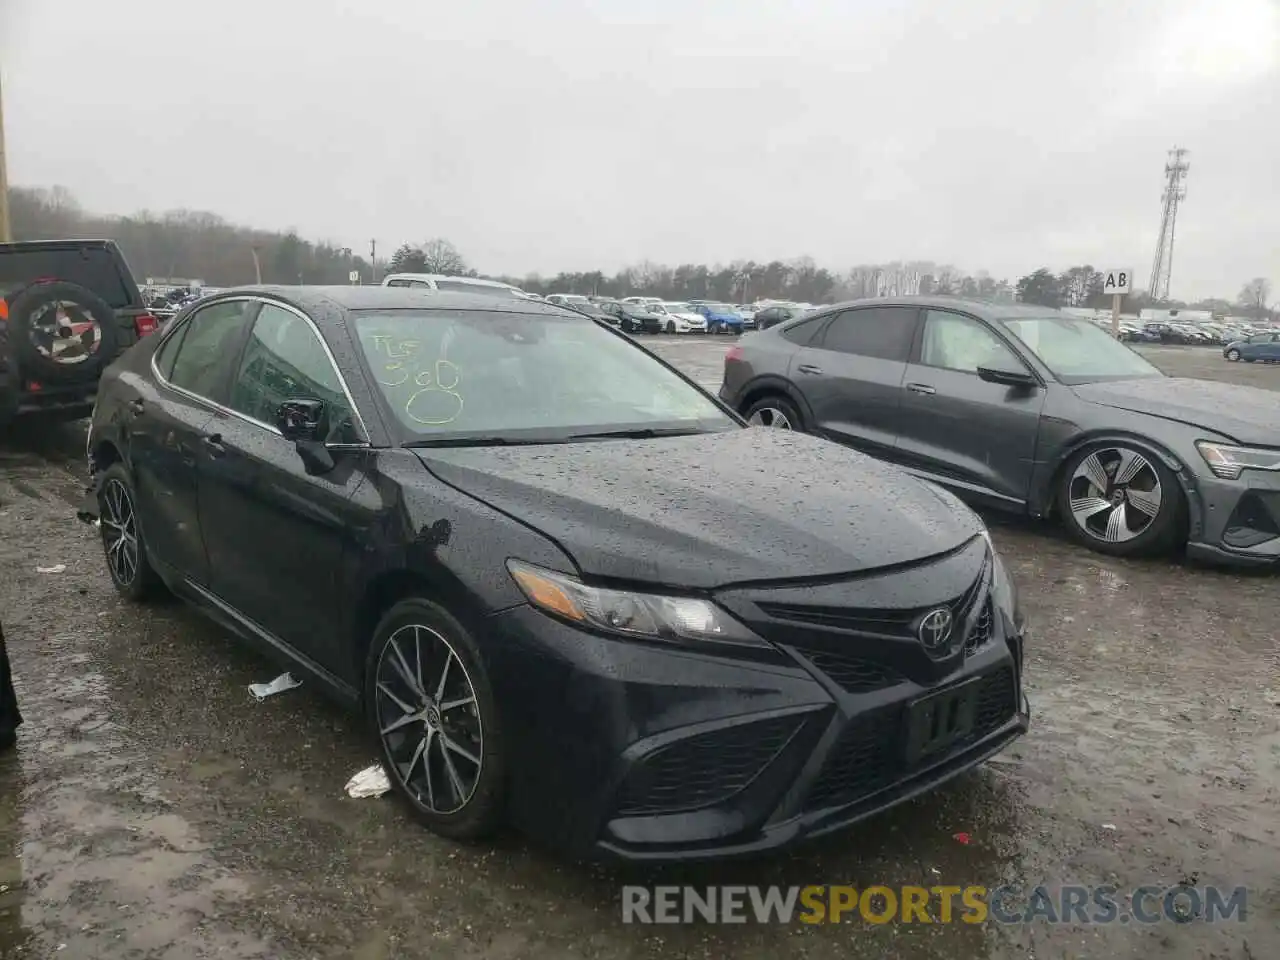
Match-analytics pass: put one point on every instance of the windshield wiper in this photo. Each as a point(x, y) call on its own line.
point(480, 441)
point(637, 433)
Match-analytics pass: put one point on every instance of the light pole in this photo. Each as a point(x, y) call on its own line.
point(6, 234)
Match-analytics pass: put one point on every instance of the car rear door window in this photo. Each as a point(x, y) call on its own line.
point(207, 350)
point(884, 333)
point(285, 360)
point(956, 342)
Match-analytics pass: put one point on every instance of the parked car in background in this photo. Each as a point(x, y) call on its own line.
point(564, 299)
point(635, 317)
point(1026, 409)
point(592, 309)
point(1259, 346)
point(451, 284)
point(642, 300)
point(67, 309)
point(775, 314)
point(721, 318)
point(748, 315)
point(679, 317)
point(539, 617)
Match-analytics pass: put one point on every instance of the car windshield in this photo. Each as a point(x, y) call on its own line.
point(679, 308)
point(496, 376)
point(1077, 351)
point(719, 308)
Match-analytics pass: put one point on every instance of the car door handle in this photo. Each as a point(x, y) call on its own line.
point(809, 368)
point(137, 406)
point(214, 442)
point(920, 388)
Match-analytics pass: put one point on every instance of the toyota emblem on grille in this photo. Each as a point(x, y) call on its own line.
point(935, 629)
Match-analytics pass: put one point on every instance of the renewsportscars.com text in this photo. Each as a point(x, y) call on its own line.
point(1065, 904)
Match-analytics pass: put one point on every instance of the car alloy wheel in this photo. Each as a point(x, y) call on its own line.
point(1122, 500)
point(119, 528)
point(428, 719)
point(767, 416)
point(1233, 354)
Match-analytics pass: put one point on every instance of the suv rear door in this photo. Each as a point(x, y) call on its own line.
point(851, 374)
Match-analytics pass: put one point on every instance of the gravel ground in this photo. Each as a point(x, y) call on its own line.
point(154, 810)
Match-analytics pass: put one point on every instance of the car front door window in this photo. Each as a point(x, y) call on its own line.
point(955, 342)
point(204, 355)
point(285, 360)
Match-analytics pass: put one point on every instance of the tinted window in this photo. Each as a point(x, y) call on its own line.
point(284, 360)
point(92, 267)
point(802, 333)
point(961, 343)
point(206, 352)
point(397, 283)
point(168, 352)
point(881, 332)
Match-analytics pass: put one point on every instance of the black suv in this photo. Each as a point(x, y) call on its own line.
point(67, 309)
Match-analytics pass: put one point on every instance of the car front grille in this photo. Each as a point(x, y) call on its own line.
point(704, 769)
point(870, 754)
point(854, 674)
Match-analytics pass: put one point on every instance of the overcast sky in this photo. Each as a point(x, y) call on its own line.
point(576, 134)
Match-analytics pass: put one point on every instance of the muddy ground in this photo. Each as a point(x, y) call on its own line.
point(154, 810)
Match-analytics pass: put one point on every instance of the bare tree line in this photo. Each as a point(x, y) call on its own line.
point(196, 244)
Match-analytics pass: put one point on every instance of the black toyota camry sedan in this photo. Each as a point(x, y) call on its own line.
point(514, 541)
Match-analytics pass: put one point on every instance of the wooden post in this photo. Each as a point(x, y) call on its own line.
point(1115, 315)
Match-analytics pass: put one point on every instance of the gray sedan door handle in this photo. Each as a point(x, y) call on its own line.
point(920, 388)
point(809, 368)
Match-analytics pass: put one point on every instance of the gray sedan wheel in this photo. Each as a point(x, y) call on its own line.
point(1233, 354)
point(1121, 499)
point(774, 411)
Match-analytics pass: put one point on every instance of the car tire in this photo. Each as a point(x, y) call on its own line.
point(671, 327)
point(458, 793)
point(1233, 355)
point(1122, 500)
point(122, 539)
point(774, 411)
point(34, 347)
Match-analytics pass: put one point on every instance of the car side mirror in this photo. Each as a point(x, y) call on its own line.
point(1008, 378)
point(305, 422)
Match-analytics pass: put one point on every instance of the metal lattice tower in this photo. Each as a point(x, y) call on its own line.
point(1175, 191)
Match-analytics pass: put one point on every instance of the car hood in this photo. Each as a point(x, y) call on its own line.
point(691, 317)
point(710, 510)
point(1248, 415)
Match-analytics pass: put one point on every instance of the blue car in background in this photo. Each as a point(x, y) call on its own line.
point(1260, 346)
point(721, 318)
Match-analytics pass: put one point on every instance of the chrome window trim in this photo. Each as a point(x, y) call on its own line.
point(218, 407)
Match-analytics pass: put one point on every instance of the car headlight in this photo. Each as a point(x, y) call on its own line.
point(1228, 462)
point(647, 615)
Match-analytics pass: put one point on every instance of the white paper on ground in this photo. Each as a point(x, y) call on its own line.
point(369, 782)
point(280, 684)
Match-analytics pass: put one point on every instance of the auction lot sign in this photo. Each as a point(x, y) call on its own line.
point(1065, 904)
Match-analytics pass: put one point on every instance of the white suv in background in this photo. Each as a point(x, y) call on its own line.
point(447, 284)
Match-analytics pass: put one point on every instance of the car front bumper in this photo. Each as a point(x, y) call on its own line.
point(649, 752)
point(1239, 520)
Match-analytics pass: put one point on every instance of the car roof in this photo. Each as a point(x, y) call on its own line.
point(319, 300)
point(982, 308)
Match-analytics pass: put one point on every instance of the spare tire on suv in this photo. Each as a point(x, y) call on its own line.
point(62, 332)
